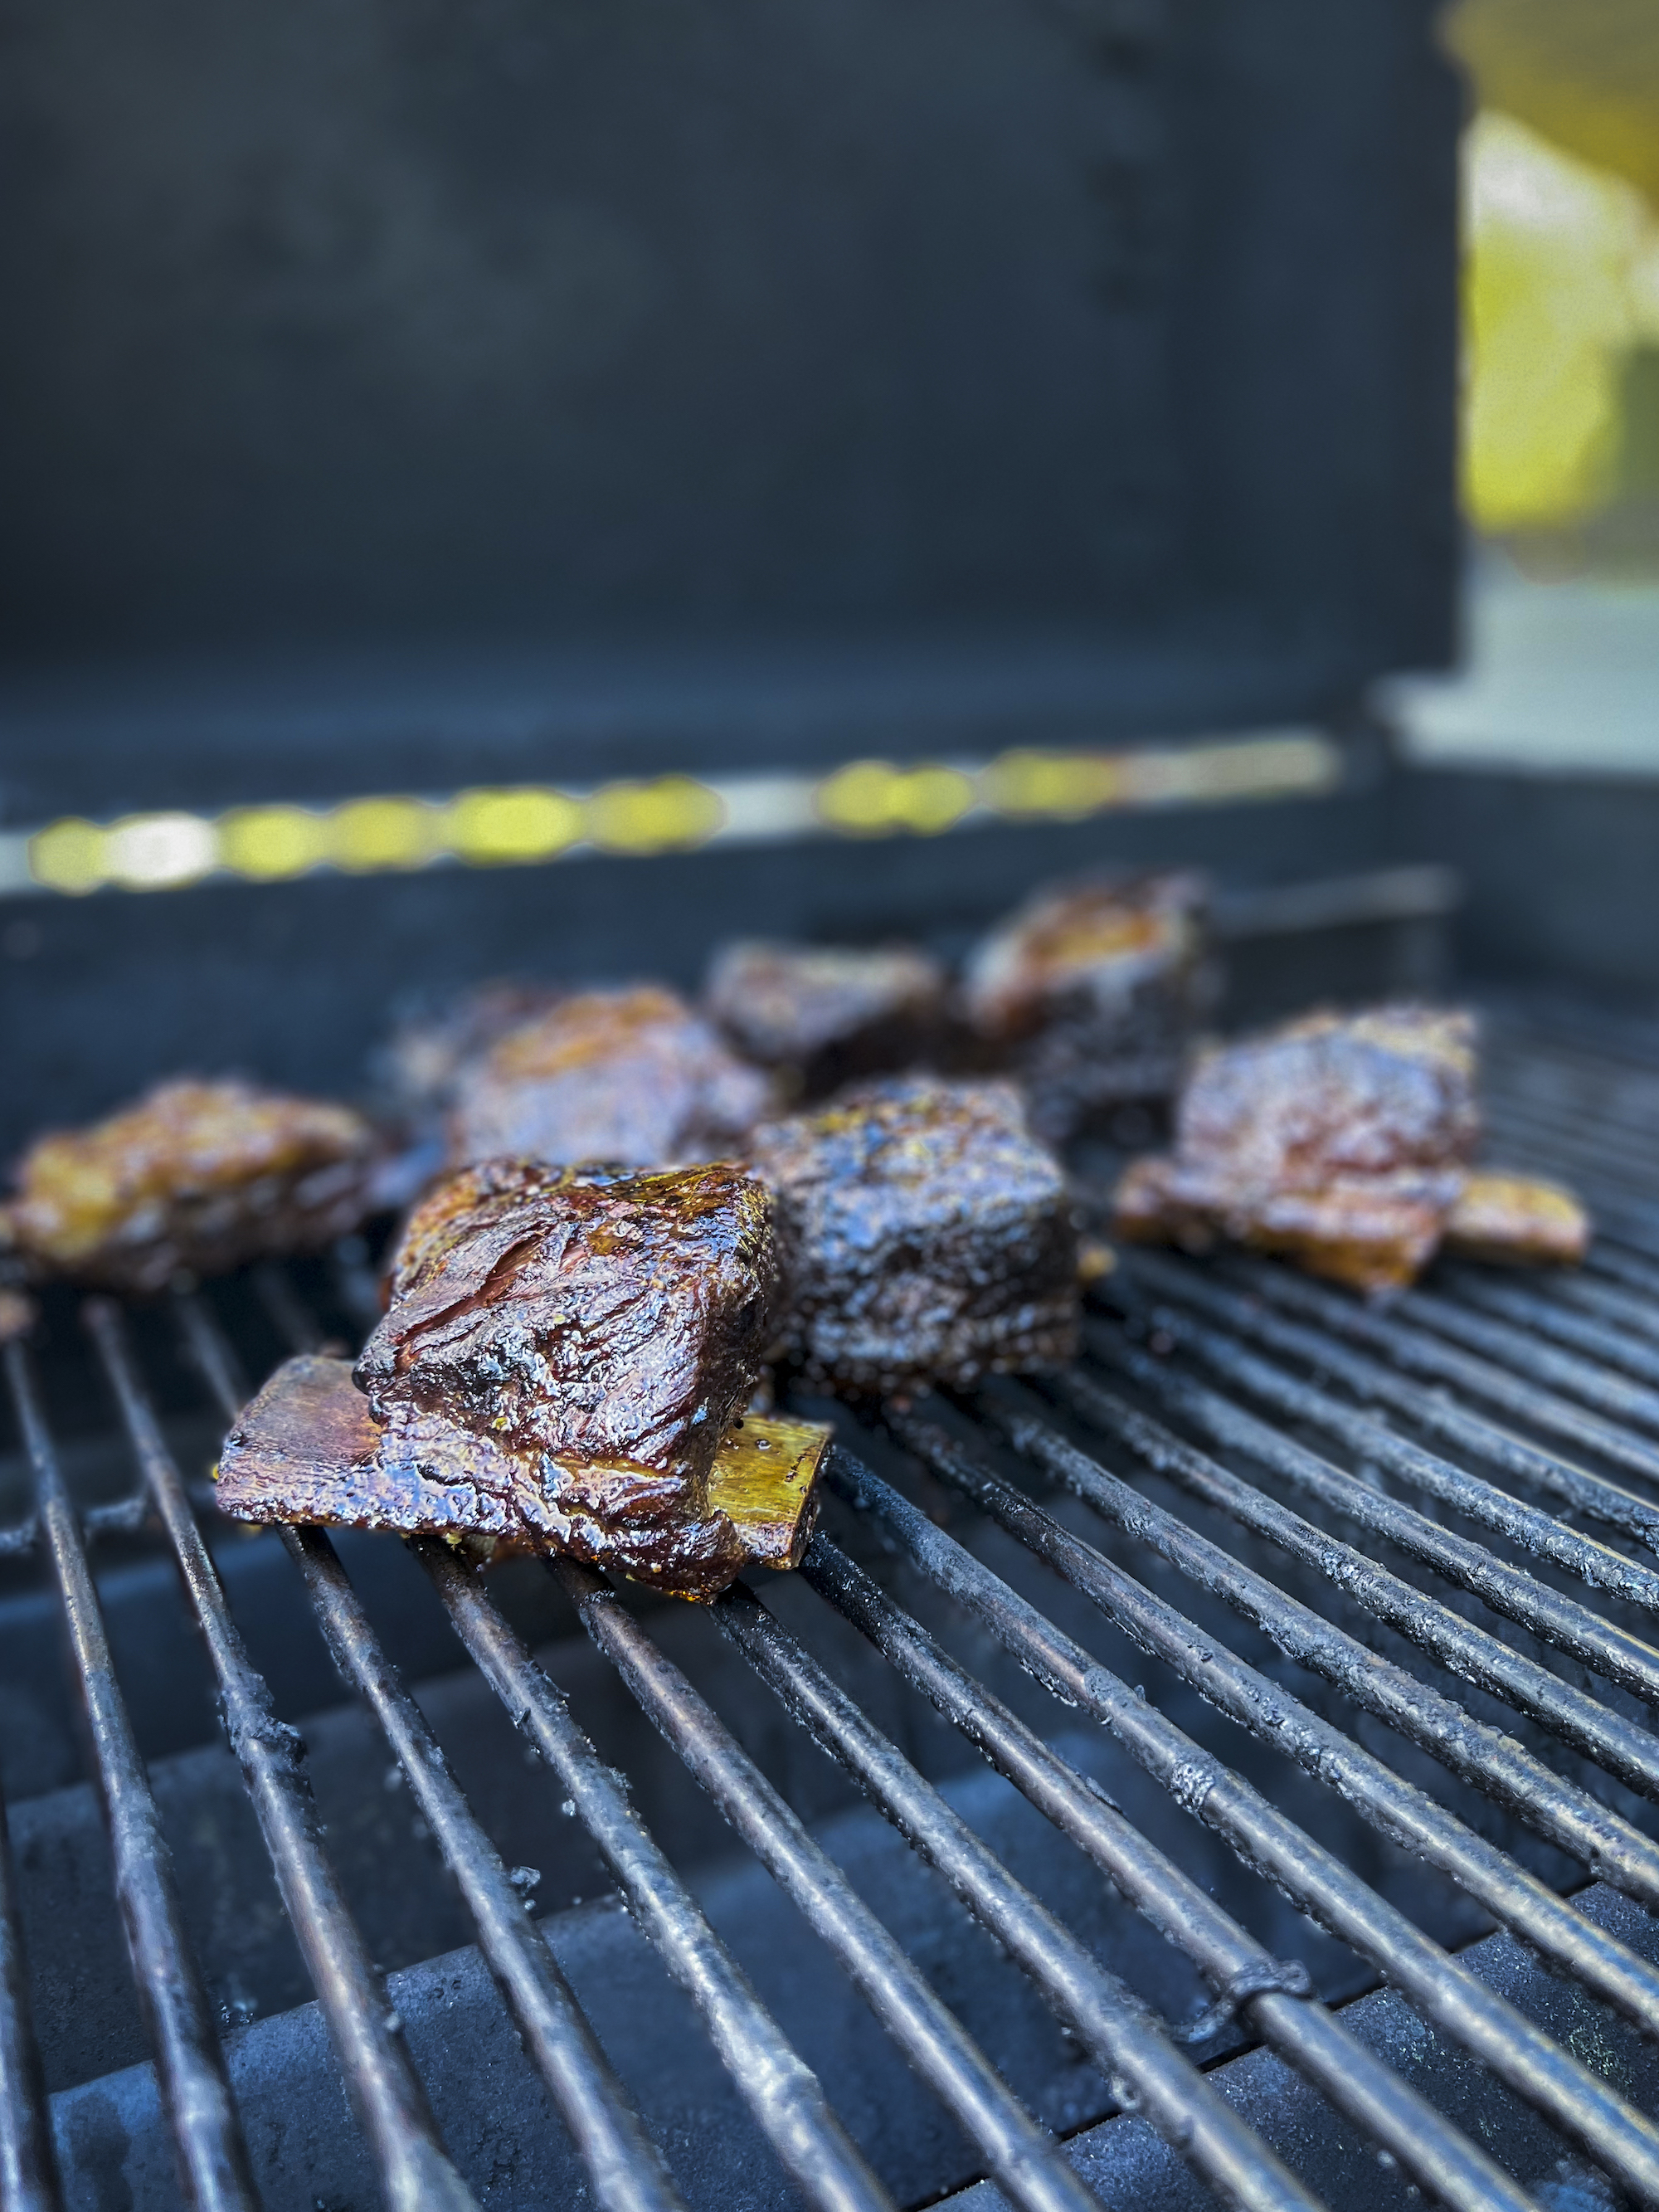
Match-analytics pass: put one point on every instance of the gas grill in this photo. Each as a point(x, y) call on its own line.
point(544, 490)
point(1261, 1705)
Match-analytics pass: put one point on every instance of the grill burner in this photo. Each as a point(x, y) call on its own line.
point(1382, 1573)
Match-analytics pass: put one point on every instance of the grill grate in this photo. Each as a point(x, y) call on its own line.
point(1392, 1560)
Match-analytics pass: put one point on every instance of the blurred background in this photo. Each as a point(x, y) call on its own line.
point(1560, 400)
point(766, 441)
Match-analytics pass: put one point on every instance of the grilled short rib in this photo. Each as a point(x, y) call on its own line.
point(822, 1015)
point(196, 1177)
point(925, 1235)
point(631, 1075)
point(1090, 993)
point(562, 1366)
point(1344, 1142)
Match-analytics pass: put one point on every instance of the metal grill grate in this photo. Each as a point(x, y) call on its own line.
point(1387, 1569)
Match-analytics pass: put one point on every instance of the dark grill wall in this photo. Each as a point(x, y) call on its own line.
point(342, 323)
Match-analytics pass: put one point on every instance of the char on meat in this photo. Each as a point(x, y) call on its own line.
point(564, 1365)
point(632, 1076)
point(821, 1015)
point(1089, 994)
point(1344, 1142)
point(197, 1177)
point(926, 1236)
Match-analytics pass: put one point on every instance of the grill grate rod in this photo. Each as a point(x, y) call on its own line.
point(1145, 2071)
point(1595, 1563)
point(1569, 1371)
point(190, 2066)
point(1587, 1144)
point(1024, 2159)
point(1415, 1351)
point(1608, 1155)
point(1530, 1309)
point(782, 2091)
point(1409, 1815)
point(1616, 1743)
point(628, 2172)
point(1578, 1135)
point(1611, 1300)
point(28, 2168)
point(1637, 1271)
point(414, 2170)
point(1577, 1086)
point(1391, 2091)
point(626, 2168)
point(1429, 2150)
point(1584, 2107)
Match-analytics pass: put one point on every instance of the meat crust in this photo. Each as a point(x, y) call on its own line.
point(632, 1076)
point(564, 1364)
point(309, 1450)
point(927, 1236)
point(616, 1327)
point(821, 1015)
point(1343, 1143)
point(1090, 995)
point(197, 1177)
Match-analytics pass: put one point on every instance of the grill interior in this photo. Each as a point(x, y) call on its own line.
point(1238, 1768)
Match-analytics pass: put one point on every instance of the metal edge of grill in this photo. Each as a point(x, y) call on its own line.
point(1394, 1651)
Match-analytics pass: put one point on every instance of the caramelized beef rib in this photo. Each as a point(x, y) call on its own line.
point(926, 1236)
point(197, 1177)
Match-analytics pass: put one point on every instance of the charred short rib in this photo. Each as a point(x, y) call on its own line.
point(564, 1366)
point(926, 1236)
point(822, 1015)
point(1344, 1142)
point(197, 1177)
point(632, 1076)
point(1089, 995)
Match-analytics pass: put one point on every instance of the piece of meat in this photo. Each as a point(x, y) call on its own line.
point(309, 1450)
point(562, 1363)
point(196, 1178)
point(1373, 1232)
point(927, 1236)
point(1090, 995)
point(632, 1076)
point(821, 1015)
point(616, 1324)
point(1344, 1142)
point(420, 1065)
point(1517, 1217)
